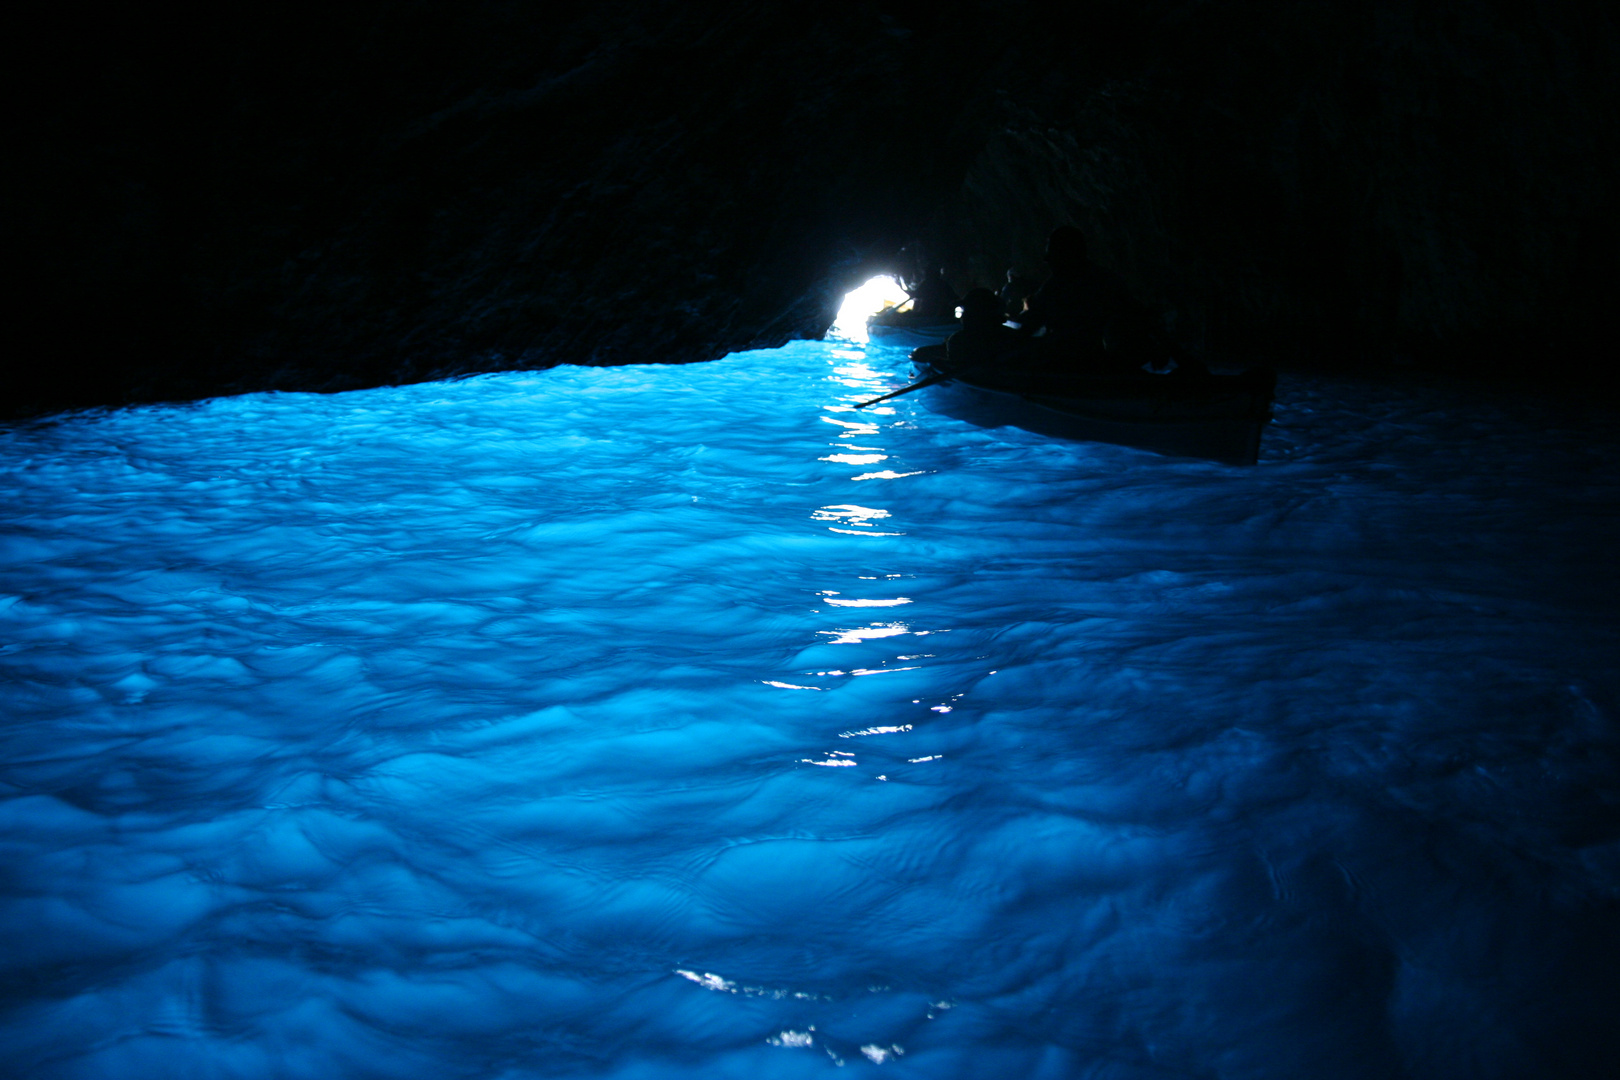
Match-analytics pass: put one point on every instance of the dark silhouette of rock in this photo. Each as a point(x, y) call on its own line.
point(325, 197)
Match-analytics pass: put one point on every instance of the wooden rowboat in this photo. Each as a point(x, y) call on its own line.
point(1214, 417)
point(905, 330)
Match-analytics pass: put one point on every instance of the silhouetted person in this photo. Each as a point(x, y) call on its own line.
point(1074, 308)
point(982, 342)
point(933, 299)
point(1093, 325)
point(1013, 294)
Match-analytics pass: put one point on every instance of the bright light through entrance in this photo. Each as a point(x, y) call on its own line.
point(869, 299)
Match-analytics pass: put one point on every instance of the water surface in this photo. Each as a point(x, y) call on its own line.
point(685, 722)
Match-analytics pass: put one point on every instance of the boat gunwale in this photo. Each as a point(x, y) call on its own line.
point(1228, 428)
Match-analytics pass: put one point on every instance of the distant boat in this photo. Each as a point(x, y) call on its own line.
point(905, 329)
point(1215, 417)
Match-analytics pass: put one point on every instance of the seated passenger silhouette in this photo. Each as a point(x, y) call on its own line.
point(932, 298)
point(1013, 294)
point(982, 342)
point(1073, 313)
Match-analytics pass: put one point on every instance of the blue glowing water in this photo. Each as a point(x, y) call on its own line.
point(684, 722)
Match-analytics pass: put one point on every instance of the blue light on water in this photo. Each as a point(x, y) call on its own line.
point(686, 722)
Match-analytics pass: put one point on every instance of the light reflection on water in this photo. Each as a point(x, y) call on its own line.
point(532, 725)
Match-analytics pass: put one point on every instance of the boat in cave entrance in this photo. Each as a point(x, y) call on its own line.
point(1214, 417)
point(906, 329)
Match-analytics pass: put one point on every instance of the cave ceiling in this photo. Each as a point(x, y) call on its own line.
point(324, 197)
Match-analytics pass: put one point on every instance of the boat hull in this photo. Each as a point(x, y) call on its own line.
point(1217, 418)
point(907, 334)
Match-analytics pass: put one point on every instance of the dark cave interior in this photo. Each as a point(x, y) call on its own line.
point(296, 196)
point(635, 721)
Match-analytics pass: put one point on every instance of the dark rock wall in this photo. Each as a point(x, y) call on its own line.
point(325, 197)
point(1357, 183)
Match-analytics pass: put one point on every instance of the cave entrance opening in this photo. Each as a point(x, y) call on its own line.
point(877, 294)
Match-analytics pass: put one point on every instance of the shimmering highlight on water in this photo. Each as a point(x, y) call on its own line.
point(629, 722)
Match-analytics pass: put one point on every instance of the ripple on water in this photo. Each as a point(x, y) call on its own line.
point(629, 722)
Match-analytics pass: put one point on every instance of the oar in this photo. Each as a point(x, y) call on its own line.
point(938, 376)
